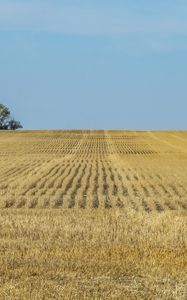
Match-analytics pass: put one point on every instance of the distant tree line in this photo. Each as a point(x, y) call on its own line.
point(7, 122)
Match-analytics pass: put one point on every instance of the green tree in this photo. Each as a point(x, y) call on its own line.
point(6, 121)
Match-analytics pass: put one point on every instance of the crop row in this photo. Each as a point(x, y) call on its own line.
point(93, 184)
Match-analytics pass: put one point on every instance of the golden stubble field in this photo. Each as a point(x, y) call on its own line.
point(93, 215)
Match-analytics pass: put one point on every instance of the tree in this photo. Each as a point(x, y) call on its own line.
point(6, 121)
point(13, 124)
point(4, 116)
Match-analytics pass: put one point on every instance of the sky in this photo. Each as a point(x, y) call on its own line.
point(94, 64)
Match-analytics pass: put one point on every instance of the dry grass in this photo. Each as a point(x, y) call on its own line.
point(120, 230)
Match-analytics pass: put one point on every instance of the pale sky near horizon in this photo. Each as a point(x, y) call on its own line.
point(94, 64)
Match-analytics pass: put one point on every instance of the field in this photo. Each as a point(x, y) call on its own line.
point(93, 215)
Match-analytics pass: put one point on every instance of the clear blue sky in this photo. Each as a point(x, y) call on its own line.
point(94, 63)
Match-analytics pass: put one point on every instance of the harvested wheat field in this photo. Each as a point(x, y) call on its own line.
point(93, 215)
